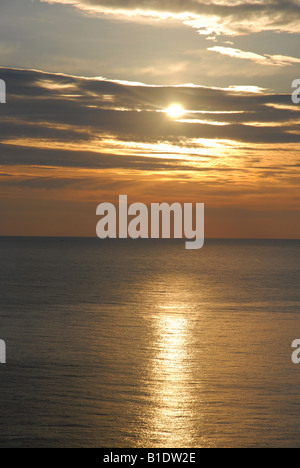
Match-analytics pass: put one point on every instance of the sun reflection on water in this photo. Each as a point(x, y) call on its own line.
point(170, 381)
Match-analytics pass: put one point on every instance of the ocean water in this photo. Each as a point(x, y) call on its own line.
point(145, 344)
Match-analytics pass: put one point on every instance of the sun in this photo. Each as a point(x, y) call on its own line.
point(175, 111)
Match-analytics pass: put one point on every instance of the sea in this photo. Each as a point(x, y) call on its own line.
point(144, 344)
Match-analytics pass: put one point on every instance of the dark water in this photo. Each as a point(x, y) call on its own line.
point(145, 344)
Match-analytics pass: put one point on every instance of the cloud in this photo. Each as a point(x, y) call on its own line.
point(240, 54)
point(283, 60)
point(273, 60)
point(208, 17)
point(62, 132)
point(96, 114)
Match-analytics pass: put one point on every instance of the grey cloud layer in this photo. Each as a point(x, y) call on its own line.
point(78, 111)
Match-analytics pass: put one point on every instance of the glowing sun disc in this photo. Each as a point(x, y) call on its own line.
point(175, 111)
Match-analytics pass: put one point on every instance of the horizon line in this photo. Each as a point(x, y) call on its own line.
point(145, 239)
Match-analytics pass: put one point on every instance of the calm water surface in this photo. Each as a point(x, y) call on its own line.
point(145, 344)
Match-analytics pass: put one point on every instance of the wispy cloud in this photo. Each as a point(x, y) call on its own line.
point(273, 60)
point(210, 17)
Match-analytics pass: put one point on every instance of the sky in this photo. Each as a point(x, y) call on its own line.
point(89, 83)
